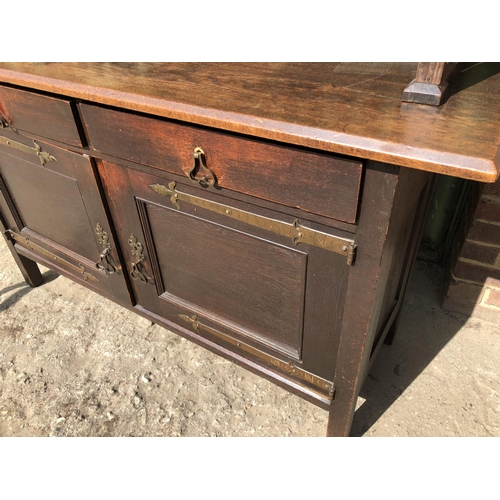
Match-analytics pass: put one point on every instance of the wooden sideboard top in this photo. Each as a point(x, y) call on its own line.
point(348, 108)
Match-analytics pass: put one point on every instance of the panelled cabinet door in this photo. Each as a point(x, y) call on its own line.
point(53, 210)
point(217, 267)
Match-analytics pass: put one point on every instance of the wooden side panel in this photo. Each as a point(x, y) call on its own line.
point(38, 114)
point(395, 259)
point(285, 175)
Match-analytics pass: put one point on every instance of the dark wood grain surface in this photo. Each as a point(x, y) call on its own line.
point(348, 108)
point(257, 286)
point(257, 168)
point(264, 299)
point(33, 113)
point(57, 207)
point(292, 312)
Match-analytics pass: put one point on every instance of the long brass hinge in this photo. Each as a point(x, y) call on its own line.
point(289, 368)
point(297, 232)
point(30, 245)
point(43, 156)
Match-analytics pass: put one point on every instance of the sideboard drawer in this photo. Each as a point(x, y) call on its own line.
point(38, 114)
point(315, 182)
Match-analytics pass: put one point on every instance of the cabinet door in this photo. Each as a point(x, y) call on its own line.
point(246, 288)
point(53, 209)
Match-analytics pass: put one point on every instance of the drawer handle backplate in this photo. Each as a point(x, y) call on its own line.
point(199, 164)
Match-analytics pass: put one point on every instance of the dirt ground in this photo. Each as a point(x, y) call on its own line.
point(74, 364)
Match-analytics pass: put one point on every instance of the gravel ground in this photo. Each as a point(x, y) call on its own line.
point(75, 364)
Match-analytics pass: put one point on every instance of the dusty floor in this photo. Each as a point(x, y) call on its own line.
point(74, 364)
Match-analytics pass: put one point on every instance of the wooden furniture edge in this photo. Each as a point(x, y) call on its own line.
point(466, 167)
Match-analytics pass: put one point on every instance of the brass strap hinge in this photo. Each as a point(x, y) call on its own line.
point(289, 368)
point(297, 232)
point(43, 156)
point(351, 254)
point(30, 245)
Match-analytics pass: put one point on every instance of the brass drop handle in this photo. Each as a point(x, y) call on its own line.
point(136, 273)
point(105, 262)
point(199, 164)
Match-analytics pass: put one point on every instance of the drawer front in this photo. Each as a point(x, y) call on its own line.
point(37, 114)
point(53, 211)
point(312, 181)
point(246, 288)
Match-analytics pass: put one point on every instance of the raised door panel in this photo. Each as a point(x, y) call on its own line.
point(32, 187)
point(254, 286)
point(247, 288)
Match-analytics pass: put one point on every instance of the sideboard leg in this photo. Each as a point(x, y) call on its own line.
point(340, 417)
point(392, 200)
point(29, 269)
point(358, 327)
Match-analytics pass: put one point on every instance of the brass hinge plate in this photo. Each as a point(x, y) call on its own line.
point(289, 368)
point(30, 245)
point(297, 232)
point(43, 156)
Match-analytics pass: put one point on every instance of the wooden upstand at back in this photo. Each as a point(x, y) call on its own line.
point(269, 212)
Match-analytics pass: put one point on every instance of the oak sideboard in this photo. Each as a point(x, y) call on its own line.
point(268, 212)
